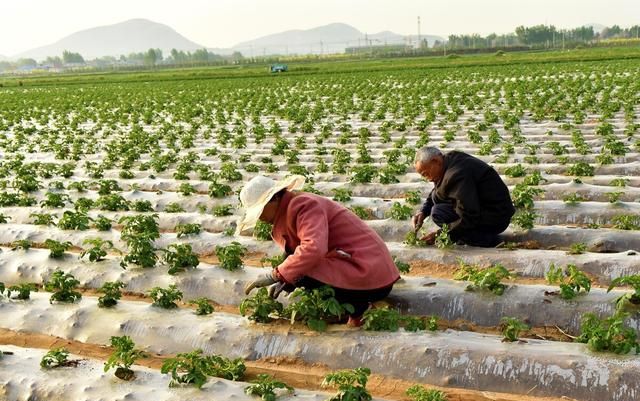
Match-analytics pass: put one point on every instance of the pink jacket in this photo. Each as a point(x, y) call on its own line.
point(310, 228)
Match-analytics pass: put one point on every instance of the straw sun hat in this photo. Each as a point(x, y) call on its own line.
point(258, 192)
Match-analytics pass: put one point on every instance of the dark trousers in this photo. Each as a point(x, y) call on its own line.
point(360, 299)
point(482, 235)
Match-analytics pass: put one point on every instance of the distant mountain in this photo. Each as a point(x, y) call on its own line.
point(332, 38)
point(4, 58)
point(138, 35)
point(131, 36)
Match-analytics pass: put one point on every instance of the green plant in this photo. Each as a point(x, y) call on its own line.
point(581, 169)
point(4, 218)
point(112, 203)
point(43, 219)
point(516, 171)
point(554, 275)
point(412, 239)
point(534, 178)
point(142, 206)
point(102, 223)
point(573, 199)
point(261, 307)
point(112, 293)
point(74, 221)
point(106, 187)
point(626, 222)
point(511, 328)
point(524, 219)
point(23, 244)
point(138, 232)
point(204, 306)
point(400, 212)
point(23, 290)
point(363, 174)
point(186, 189)
point(63, 287)
point(413, 323)
point(619, 182)
point(523, 195)
point(180, 257)
point(262, 231)
point(341, 194)
point(577, 248)
point(362, 212)
point(419, 393)
point(432, 323)
point(98, 250)
point(194, 368)
point(614, 197)
point(315, 306)
point(609, 334)
point(351, 384)
point(54, 199)
point(173, 207)
point(56, 358)
point(123, 356)
point(56, 248)
point(572, 281)
point(217, 190)
point(273, 261)
point(230, 256)
point(228, 172)
point(83, 204)
point(403, 267)
point(80, 186)
point(166, 297)
point(187, 229)
point(488, 279)
point(381, 319)
point(628, 298)
point(264, 387)
point(443, 241)
point(412, 197)
point(223, 210)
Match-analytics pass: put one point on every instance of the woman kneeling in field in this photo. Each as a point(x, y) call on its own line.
point(325, 243)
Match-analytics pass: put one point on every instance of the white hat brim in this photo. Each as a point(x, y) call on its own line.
point(252, 214)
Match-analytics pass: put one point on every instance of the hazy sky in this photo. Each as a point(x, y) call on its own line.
point(27, 24)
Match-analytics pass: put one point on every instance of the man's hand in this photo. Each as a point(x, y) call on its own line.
point(262, 281)
point(417, 221)
point(430, 238)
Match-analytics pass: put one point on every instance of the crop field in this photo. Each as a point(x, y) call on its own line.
point(118, 203)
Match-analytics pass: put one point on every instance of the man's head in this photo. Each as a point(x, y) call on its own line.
point(429, 163)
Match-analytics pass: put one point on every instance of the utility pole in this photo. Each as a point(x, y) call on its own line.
point(366, 41)
point(321, 49)
point(419, 43)
point(563, 40)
